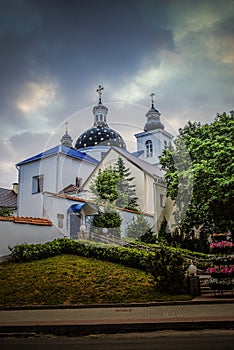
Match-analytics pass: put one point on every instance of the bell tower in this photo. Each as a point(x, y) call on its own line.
point(154, 139)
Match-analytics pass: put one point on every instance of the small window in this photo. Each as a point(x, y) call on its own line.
point(149, 149)
point(60, 218)
point(101, 118)
point(165, 144)
point(37, 184)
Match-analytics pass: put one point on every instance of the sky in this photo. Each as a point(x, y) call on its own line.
point(55, 53)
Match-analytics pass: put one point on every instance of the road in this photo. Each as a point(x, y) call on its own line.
point(162, 340)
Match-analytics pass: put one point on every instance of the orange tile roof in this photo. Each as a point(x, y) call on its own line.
point(27, 220)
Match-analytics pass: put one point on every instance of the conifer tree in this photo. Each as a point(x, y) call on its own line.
point(127, 198)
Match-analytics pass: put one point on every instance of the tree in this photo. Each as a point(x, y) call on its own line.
point(127, 198)
point(115, 184)
point(200, 176)
point(105, 185)
point(108, 218)
point(140, 228)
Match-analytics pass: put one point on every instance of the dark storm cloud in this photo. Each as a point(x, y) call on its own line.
point(73, 41)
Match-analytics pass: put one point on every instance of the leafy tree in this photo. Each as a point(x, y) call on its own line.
point(140, 228)
point(108, 218)
point(201, 179)
point(4, 211)
point(105, 185)
point(126, 189)
point(115, 184)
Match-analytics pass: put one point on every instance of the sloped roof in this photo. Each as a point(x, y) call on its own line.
point(27, 220)
point(61, 149)
point(152, 170)
point(70, 189)
point(8, 198)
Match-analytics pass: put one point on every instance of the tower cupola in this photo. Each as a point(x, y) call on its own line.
point(153, 117)
point(100, 134)
point(66, 140)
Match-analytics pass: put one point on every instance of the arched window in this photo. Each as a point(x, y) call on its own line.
point(149, 149)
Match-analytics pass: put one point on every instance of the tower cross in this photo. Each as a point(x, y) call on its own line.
point(66, 127)
point(152, 97)
point(99, 91)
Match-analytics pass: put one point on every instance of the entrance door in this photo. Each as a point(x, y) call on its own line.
point(75, 222)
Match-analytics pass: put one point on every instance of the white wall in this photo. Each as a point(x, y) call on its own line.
point(59, 172)
point(14, 233)
point(157, 137)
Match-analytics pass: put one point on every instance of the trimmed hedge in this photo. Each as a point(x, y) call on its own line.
point(165, 264)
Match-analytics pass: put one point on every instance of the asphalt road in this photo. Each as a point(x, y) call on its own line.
point(163, 340)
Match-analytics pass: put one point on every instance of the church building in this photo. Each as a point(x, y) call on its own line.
point(55, 184)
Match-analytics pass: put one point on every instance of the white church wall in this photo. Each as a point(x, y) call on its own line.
point(97, 152)
point(70, 169)
point(29, 203)
point(143, 182)
point(14, 233)
point(58, 172)
point(55, 209)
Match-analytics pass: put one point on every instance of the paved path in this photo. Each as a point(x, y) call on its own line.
point(118, 319)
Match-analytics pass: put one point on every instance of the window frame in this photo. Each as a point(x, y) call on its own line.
point(37, 184)
point(149, 148)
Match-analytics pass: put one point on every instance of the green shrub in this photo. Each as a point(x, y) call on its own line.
point(165, 264)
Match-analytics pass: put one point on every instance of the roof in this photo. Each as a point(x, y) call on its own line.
point(8, 198)
point(152, 170)
point(26, 220)
point(100, 135)
point(70, 189)
point(137, 153)
point(61, 149)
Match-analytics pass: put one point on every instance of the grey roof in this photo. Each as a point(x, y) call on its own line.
point(152, 170)
point(8, 198)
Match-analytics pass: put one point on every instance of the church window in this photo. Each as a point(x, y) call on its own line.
point(165, 144)
point(37, 184)
point(149, 149)
point(101, 117)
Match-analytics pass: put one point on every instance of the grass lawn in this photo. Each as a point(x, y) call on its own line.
point(70, 279)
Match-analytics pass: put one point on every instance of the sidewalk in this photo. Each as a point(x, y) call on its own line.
point(83, 320)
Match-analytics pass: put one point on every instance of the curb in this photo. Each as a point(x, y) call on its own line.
point(83, 330)
point(117, 305)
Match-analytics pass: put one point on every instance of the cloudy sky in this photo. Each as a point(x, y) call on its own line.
point(54, 54)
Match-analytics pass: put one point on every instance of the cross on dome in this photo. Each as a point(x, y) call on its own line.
point(99, 91)
point(66, 127)
point(152, 98)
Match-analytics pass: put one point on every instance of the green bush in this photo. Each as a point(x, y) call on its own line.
point(164, 264)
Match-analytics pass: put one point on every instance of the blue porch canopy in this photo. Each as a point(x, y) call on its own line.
point(85, 208)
